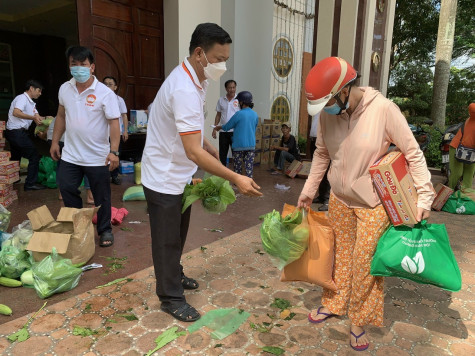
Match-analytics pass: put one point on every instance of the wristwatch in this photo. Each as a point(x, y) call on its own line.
point(116, 153)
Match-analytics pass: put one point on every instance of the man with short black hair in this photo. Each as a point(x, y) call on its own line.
point(21, 115)
point(226, 107)
point(88, 114)
point(174, 148)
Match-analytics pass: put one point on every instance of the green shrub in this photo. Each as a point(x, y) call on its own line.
point(302, 143)
point(432, 153)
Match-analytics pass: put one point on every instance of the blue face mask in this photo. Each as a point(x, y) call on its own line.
point(81, 74)
point(335, 109)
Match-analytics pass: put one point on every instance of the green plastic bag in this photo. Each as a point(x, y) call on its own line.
point(134, 193)
point(47, 172)
point(54, 274)
point(223, 322)
point(421, 254)
point(459, 203)
point(285, 239)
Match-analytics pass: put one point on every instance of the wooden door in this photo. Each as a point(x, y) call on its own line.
point(126, 37)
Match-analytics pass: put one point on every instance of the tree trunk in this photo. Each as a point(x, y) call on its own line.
point(443, 57)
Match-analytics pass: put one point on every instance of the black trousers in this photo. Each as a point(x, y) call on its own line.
point(69, 179)
point(22, 146)
point(225, 141)
point(169, 228)
point(324, 188)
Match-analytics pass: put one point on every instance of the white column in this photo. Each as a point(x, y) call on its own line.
point(326, 11)
point(346, 40)
point(367, 45)
point(388, 36)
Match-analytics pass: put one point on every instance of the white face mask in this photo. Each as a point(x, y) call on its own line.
point(214, 70)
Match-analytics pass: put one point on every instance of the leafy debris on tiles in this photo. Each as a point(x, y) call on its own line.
point(119, 280)
point(23, 334)
point(116, 263)
point(273, 350)
point(281, 303)
point(166, 337)
point(80, 331)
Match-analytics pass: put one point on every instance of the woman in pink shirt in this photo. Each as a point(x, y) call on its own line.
point(356, 126)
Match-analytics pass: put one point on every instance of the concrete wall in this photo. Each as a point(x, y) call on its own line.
point(180, 20)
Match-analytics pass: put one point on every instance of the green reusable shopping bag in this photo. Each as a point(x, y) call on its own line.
point(459, 203)
point(421, 254)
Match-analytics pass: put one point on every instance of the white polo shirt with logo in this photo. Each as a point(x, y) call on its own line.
point(227, 108)
point(177, 110)
point(86, 140)
point(123, 110)
point(27, 106)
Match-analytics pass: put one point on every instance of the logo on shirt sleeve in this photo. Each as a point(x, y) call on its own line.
point(90, 99)
point(236, 103)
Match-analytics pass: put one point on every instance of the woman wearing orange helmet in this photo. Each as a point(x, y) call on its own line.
point(356, 126)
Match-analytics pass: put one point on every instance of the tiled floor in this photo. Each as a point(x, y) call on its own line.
point(419, 319)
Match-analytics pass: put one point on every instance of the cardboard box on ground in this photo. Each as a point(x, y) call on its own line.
point(72, 233)
point(395, 188)
point(294, 169)
point(443, 194)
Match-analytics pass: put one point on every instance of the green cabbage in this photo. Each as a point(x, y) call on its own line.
point(13, 261)
point(214, 192)
point(284, 239)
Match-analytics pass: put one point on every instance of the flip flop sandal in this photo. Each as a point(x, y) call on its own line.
point(184, 312)
point(189, 283)
point(361, 347)
point(315, 321)
point(106, 237)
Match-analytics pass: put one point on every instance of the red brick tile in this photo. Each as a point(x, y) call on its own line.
point(391, 351)
point(35, 345)
point(462, 349)
point(88, 320)
point(73, 345)
point(114, 344)
point(47, 323)
point(411, 332)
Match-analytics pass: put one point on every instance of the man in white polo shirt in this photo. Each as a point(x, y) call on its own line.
point(227, 106)
point(21, 115)
point(174, 148)
point(87, 112)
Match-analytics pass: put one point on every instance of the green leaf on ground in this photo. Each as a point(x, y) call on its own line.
point(166, 337)
point(20, 335)
point(111, 321)
point(281, 304)
point(260, 328)
point(264, 287)
point(203, 249)
point(115, 281)
point(126, 229)
point(23, 334)
point(80, 331)
point(259, 252)
point(290, 317)
point(271, 316)
point(116, 264)
point(218, 345)
point(273, 350)
point(129, 317)
point(88, 307)
point(301, 290)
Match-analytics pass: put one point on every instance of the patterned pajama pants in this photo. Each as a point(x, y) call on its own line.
point(357, 232)
point(248, 157)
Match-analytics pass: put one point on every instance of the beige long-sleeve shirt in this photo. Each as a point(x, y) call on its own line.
point(353, 143)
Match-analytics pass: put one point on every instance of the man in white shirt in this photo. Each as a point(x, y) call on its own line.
point(226, 107)
point(111, 83)
point(174, 148)
point(21, 115)
point(87, 112)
